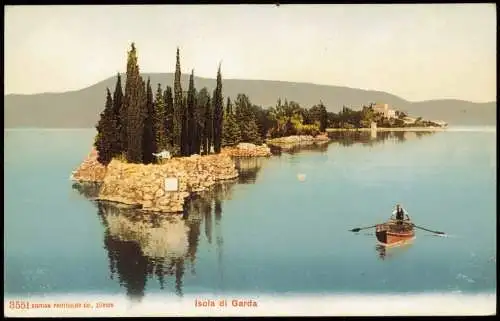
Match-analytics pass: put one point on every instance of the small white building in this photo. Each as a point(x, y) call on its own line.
point(164, 154)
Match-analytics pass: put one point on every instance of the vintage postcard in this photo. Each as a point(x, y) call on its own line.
point(250, 160)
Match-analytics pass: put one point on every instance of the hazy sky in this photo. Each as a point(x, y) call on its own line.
point(415, 51)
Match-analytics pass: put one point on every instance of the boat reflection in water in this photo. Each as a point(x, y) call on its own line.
point(385, 252)
point(144, 246)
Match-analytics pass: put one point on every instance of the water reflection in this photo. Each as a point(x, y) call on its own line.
point(384, 252)
point(321, 147)
point(89, 190)
point(370, 138)
point(144, 246)
point(348, 138)
point(248, 168)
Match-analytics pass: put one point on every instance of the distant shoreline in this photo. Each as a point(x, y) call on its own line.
point(409, 129)
point(389, 129)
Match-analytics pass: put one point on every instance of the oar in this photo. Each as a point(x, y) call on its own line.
point(423, 228)
point(357, 229)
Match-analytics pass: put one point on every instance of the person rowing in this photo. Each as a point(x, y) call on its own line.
point(400, 213)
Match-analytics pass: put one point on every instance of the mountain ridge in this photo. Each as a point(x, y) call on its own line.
point(81, 107)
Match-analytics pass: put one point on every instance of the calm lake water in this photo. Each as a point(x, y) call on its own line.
point(267, 232)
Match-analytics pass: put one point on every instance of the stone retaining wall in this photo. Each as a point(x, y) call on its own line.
point(144, 185)
point(295, 140)
point(247, 150)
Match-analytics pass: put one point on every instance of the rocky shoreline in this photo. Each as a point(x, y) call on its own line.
point(90, 170)
point(300, 139)
point(144, 185)
point(290, 142)
point(247, 150)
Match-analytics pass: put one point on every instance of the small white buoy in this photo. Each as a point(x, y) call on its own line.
point(301, 177)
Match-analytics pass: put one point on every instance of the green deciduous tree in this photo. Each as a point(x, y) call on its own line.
point(288, 118)
point(246, 120)
point(264, 120)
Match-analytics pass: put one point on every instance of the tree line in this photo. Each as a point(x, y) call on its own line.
point(136, 122)
point(350, 119)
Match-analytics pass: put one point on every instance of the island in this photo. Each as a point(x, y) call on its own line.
point(155, 151)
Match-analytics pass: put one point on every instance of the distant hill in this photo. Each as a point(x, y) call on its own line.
point(81, 108)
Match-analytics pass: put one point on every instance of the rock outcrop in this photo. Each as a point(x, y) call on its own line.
point(295, 140)
point(90, 170)
point(144, 185)
point(247, 150)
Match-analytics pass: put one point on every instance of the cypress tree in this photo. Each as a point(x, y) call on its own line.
point(229, 107)
point(218, 113)
point(106, 140)
point(191, 121)
point(120, 116)
point(169, 117)
point(198, 127)
point(133, 105)
point(159, 121)
point(202, 98)
point(184, 128)
point(178, 110)
point(323, 119)
point(208, 127)
point(148, 138)
point(231, 134)
point(142, 114)
point(238, 112)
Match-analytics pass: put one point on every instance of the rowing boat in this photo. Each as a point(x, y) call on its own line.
point(394, 232)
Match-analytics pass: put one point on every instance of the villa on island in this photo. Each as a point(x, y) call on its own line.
point(385, 110)
point(390, 113)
